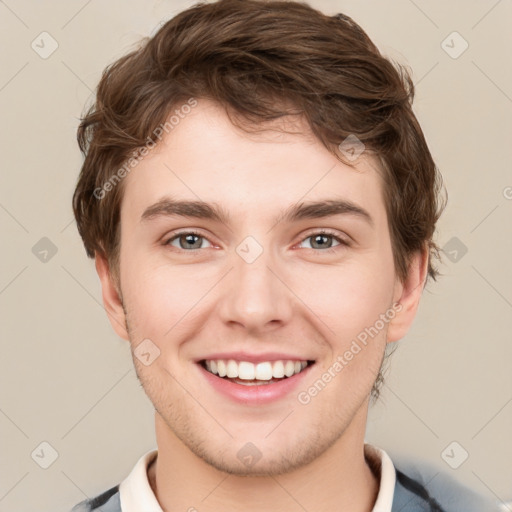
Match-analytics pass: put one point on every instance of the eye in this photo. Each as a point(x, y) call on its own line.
point(323, 240)
point(192, 240)
point(186, 240)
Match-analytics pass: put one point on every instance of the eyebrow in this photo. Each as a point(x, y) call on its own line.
point(167, 207)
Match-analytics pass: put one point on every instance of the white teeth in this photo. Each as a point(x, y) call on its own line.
point(289, 368)
point(232, 369)
point(263, 371)
point(245, 370)
point(278, 369)
point(221, 368)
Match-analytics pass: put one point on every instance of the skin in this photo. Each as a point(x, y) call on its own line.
point(296, 297)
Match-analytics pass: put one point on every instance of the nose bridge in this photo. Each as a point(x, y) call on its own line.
point(256, 297)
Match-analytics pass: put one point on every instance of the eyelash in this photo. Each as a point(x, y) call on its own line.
point(325, 232)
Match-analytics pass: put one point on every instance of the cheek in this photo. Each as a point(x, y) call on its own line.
point(164, 298)
point(347, 299)
point(355, 308)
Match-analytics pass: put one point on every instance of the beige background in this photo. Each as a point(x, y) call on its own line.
point(67, 380)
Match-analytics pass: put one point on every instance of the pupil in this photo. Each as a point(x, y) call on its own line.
point(320, 237)
point(189, 239)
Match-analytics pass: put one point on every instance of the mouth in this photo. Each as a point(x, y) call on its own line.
point(246, 373)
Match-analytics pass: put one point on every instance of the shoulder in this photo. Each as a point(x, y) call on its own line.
point(109, 501)
point(423, 487)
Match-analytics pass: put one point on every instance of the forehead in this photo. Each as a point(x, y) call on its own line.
point(206, 158)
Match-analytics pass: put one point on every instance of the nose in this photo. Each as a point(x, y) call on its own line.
point(255, 296)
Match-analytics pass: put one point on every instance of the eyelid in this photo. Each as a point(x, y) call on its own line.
point(325, 231)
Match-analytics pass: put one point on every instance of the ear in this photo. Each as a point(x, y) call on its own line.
point(408, 295)
point(111, 300)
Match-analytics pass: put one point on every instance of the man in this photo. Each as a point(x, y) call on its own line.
point(260, 202)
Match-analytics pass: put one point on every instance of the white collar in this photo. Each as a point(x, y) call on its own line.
point(136, 493)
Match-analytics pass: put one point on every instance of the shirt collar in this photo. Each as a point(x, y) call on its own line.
point(382, 466)
point(136, 493)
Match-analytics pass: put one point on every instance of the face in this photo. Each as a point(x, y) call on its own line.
point(260, 278)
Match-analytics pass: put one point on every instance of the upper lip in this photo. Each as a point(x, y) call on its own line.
point(254, 358)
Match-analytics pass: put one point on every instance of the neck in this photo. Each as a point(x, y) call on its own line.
point(339, 479)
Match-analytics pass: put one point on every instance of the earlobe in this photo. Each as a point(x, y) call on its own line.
point(408, 294)
point(111, 300)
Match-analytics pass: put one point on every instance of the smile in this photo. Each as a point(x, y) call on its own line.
point(253, 374)
point(257, 383)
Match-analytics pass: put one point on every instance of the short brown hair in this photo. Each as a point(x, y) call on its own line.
point(257, 58)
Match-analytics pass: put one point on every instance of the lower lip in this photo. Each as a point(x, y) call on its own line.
point(258, 394)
